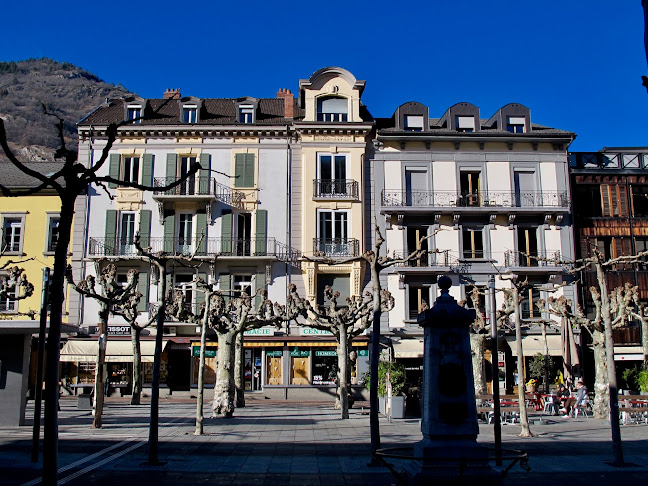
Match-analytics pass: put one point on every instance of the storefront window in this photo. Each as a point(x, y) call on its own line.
point(274, 361)
point(147, 369)
point(299, 367)
point(86, 372)
point(325, 367)
point(210, 364)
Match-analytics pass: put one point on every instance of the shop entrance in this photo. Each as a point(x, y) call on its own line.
point(179, 369)
point(253, 369)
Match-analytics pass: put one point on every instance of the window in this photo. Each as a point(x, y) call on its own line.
point(183, 283)
point(641, 245)
point(8, 300)
point(332, 109)
point(299, 366)
point(134, 113)
point(274, 366)
point(418, 297)
point(527, 240)
point(127, 233)
point(515, 124)
point(473, 243)
point(332, 233)
point(130, 169)
point(466, 124)
point(325, 368)
point(470, 188)
point(244, 170)
point(189, 114)
point(12, 238)
point(188, 187)
point(414, 123)
point(587, 201)
point(525, 193)
point(52, 233)
point(528, 306)
point(414, 235)
point(639, 201)
point(243, 234)
point(332, 175)
point(246, 114)
point(185, 233)
point(416, 186)
point(338, 282)
point(480, 296)
point(240, 284)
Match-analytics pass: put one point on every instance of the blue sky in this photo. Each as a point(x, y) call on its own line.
point(576, 64)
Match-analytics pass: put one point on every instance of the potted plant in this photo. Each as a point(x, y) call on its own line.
point(396, 373)
point(636, 379)
point(538, 367)
point(532, 385)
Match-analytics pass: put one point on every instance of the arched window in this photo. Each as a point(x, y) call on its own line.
point(332, 109)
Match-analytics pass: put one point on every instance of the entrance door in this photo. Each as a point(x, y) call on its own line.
point(253, 369)
point(179, 370)
point(243, 234)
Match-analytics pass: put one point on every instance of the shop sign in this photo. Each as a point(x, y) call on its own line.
point(119, 330)
point(297, 353)
point(259, 332)
point(274, 354)
point(309, 331)
point(363, 352)
point(320, 352)
point(210, 352)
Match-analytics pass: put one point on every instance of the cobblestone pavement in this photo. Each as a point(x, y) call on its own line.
point(273, 442)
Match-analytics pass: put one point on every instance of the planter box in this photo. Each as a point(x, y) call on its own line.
point(398, 407)
point(382, 405)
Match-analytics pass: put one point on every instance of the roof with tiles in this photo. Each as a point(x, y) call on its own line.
point(213, 111)
point(13, 178)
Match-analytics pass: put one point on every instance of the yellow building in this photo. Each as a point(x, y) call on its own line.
point(333, 136)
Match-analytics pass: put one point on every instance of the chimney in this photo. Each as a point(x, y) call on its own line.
point(171, 94)
point(289, 104)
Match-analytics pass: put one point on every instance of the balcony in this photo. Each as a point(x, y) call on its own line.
point(197, 189)
point(439, 259)
point(336, 247)
point(534, 262)
point(393, 201)
point(327, 189)
point(207, 247)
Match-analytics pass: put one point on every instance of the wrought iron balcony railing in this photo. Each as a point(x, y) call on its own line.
point(336, 247)
point(453, 199)
point(335, 189)
point(440, 258)
point(532, 259)
point(200, 186)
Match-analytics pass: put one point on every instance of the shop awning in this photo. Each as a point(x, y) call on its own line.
point(628, 353)
point(116, 351)
point(408, 348)
point(532, 345)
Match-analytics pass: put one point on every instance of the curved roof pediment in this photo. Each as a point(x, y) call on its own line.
point(320, 77)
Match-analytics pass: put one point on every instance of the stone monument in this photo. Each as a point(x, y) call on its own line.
point(448, 413)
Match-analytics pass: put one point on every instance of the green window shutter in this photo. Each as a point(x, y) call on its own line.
point(200, 296)
point(110, 244)
point(171, 166)
point(201, 232)
point(169, 232)
point(143, 288)
point(145, 227)
point(239, 170)
point(147, 170)
point(260, 245)
point(113, 168)
point(259, 283)
point(204, 173)
point(226, 233)
point(224, 284)
point(249, 170)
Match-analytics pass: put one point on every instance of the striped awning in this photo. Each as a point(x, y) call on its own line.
point(116, 351)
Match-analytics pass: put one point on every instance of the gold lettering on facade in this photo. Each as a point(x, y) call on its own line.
point(333, 138)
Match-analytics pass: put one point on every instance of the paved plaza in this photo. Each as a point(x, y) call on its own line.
point(273, 442)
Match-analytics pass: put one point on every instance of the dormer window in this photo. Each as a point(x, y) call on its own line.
point(515, 124)
point(246, 114)
point(332, 109)
point(189, 114)
point(134, 113)
point(414, 123)
point(466, 124)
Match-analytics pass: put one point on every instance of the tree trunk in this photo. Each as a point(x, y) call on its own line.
point(601, 392)
point(524, 419)
point(374, 426)
point(137, 365)
point(239, 371)
point(644, 340)
point(157, 361)
point(51, 394)
point(101, 371)
point(201, 367)
point(546, 356)
point(343, 368)
point(617, 449)
point(224, 389)
point(477, 345)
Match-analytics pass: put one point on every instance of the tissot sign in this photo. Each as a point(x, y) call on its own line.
point(119, 330)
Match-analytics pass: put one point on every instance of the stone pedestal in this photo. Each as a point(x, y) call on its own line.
point(448, 414)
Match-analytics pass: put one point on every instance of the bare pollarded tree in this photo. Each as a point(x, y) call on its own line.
point(345, 323)
point(110, 295)
point(70, 181)
point(14, 286)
